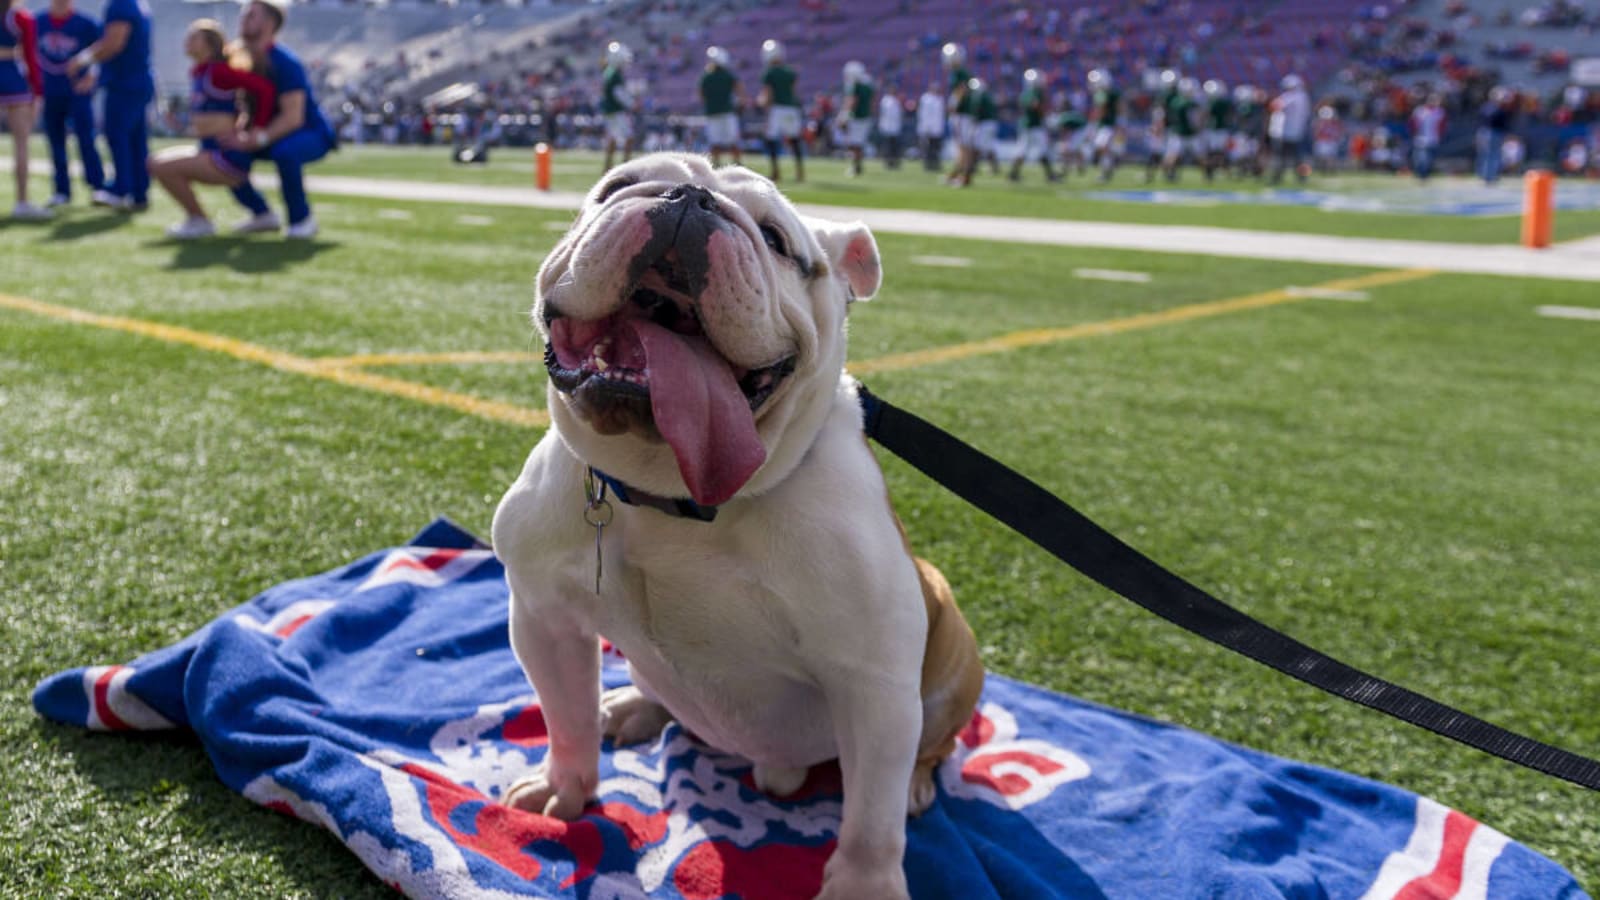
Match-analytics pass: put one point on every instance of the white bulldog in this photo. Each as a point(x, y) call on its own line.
point(695, 329)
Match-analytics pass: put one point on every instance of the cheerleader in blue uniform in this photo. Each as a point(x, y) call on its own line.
point(21, 86)
point(68, 102)
point(216, 87)
point(128, 84)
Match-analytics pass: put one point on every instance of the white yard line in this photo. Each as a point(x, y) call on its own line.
point(475, 220)
point(1326, 294)
point(1112, 275)
point(397, 215)
point(1570, 312)
point(946, 262)
point(1568, 261)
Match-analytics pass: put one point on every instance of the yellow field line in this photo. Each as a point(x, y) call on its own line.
point(344, 370)
point(1034, 337)
point(288, 362)
point(433, 359)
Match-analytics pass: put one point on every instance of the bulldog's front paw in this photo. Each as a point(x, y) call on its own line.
point(627, 716)
point(779, 782)
point(846, 882)
point(559, 794)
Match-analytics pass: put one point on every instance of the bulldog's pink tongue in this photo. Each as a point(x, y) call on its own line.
point(700, 410)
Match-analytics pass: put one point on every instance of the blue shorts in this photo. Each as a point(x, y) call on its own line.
point(14, 87)
point(232, 163)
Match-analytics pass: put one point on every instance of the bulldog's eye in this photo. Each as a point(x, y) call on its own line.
point(614, 185)
point(774, 239)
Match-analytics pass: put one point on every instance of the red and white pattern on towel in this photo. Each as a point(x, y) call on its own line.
point(672, 819)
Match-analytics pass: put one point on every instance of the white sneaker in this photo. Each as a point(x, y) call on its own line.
point(27, 212)
point(192, 228)
point(267, 221)
point(303, 230)
point(106, 198)
point(57, 200)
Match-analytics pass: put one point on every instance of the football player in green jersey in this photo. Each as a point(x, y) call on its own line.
point(719, 92)
point(778, 97)
point(1105, 117)
point(1249, 127)
point(985, 129)
point(954, 58)
point(1075, 150)
point(616, 103)
point(855, 112)
point(1182, 128)
point(1032, 105)
point(1156, 145)
point(1219, 125)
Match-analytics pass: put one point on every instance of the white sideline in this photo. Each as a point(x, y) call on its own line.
point(1577, 260)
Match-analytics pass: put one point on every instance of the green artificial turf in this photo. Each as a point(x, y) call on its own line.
point(1406, 483)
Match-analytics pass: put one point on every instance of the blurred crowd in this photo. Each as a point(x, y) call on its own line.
point(1365, 115)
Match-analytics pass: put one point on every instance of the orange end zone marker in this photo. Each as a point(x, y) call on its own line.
point(541, 166)
point(1538, 215)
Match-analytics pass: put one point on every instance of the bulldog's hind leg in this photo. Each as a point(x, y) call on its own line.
point(923, 792)
point(627, 716)
point(952, 680)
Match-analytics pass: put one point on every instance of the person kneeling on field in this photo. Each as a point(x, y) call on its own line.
point(297, 134)
point(213, 111)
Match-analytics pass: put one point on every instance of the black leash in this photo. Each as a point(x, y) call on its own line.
point(1067, 534)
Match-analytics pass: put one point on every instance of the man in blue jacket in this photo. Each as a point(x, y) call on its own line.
point(123, 54)
point(298, 133)
point(64, 33)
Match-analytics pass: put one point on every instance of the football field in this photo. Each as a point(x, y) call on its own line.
point(1393, 464)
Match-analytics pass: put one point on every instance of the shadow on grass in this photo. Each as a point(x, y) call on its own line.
point(78, 227)
point(137, 771)
point(6, 222)
point(242, 254)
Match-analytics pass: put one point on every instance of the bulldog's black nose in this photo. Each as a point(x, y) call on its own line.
point(693, 195)
point(680, 231)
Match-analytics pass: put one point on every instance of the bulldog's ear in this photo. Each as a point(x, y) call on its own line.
point(853, 254)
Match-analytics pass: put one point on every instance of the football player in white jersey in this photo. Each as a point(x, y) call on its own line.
point(617, 103)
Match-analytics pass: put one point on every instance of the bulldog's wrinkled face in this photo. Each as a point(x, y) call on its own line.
point(682, 308)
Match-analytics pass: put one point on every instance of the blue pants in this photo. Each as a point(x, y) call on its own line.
point(79, 110)
point(1422, 161)
point(290, 154)
point(1489, 141)
point(128, 136)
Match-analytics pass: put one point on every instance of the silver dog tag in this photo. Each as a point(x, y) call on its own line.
point(596, 512)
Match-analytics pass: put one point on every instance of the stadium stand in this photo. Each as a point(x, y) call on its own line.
point(534, 67)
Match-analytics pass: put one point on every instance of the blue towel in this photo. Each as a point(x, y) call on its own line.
point(381, 701)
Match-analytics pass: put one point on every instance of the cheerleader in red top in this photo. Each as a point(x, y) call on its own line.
point(21, 86)
point(213, 110)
